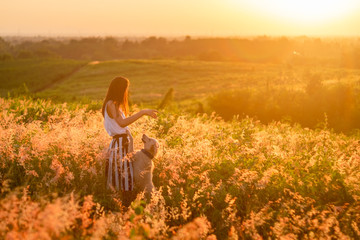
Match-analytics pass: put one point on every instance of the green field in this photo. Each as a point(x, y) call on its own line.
point(36, 74)
point(67, 80)
point(151, 79)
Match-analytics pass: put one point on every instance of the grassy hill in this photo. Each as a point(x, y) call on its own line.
point(150, 79)
point(68, 80)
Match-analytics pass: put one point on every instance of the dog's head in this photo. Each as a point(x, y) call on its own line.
point(150, 144)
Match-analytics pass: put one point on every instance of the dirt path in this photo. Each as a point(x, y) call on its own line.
point(60, 78)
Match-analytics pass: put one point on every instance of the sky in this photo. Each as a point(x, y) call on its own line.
point(180, 17)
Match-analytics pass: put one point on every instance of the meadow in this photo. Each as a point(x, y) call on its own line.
point(151, 79)
point(214, 179)
point(309, 94)
point(247, 150)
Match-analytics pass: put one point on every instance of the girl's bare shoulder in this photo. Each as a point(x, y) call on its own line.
point(111, 109)
point(110, 103)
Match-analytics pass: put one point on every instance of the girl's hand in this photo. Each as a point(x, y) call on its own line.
point(150, 112)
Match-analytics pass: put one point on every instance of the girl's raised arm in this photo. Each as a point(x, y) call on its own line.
point(123, 122)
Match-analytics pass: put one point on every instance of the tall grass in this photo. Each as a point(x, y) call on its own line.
point(214, 179)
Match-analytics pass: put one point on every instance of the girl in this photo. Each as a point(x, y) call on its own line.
point(118, 170)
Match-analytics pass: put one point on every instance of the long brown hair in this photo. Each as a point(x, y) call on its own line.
point(118, 92)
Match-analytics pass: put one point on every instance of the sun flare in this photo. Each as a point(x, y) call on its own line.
point(306, 11)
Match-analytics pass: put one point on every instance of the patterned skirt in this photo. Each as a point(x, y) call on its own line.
point(119, 170)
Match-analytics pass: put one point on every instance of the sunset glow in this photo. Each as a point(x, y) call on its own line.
point(178, 18)
point(179, 119)
point(305, 11)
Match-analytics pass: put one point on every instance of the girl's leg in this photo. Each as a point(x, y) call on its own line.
point(108, 166)
point(131, 142)
point(128, 195)
point(116, 161)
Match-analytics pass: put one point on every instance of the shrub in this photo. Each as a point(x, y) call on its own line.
point(339, 103)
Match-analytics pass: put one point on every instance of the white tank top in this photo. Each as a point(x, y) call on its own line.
point(111, 126)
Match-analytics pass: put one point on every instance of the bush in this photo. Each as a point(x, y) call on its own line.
point(25, 54)
point(339, 103)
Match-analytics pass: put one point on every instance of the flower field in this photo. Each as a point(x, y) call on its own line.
point(215, 180)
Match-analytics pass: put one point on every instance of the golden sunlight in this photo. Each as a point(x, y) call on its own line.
point(306, 11)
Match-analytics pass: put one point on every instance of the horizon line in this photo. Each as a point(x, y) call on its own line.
point(159, 35)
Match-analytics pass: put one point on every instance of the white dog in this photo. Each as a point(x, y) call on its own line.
point(143, 165)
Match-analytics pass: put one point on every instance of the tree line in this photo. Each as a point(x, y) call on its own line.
point(344, 52)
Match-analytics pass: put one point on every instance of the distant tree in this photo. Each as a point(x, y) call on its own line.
point(154, 42)
point(5, 47)
point(25, 54)
point(3, 44)
point(45, 53)
point(5, 57)
point(129, 45)
point(110, 41)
